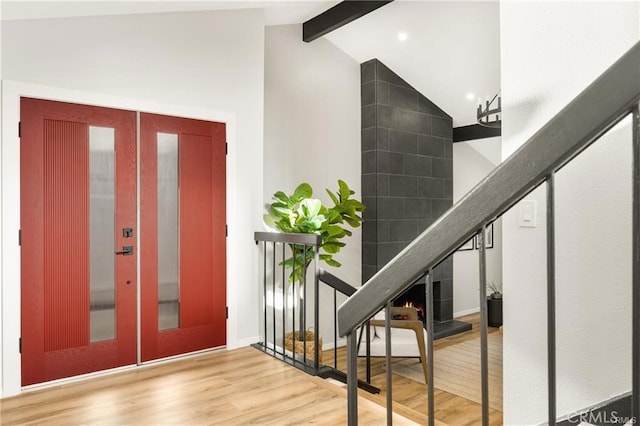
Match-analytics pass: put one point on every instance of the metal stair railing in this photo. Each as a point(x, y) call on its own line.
point(276, 247)
point(610, 98)
point(298, 299)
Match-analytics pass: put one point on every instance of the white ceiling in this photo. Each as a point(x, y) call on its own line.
point(452, 48)
point(277, 12)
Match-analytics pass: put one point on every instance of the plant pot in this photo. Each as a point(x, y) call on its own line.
point(308, 346)
point(494, 312)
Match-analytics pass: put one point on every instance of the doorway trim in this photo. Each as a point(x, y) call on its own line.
point(11, 91)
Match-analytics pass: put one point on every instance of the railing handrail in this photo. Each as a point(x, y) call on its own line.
point(594, 111)
point(292, 238)
point(336, 283)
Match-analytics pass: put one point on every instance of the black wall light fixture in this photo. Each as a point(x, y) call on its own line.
point(490, 115)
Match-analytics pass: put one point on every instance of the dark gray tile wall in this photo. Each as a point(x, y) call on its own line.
point(407, 172)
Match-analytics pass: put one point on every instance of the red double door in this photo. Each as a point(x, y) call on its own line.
point(81, 250)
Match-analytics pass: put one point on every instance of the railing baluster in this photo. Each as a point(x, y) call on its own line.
point(273, 296)
point(635, 330)
point(293, 318)
point(284, 303)
point(368, 351)
point(303, 318)
point(352, 380)
point(335, 329)
point(264, 291)
point(551, 299)
point(316, 307)
point(431, 409)
point(484, 362)
point(387, 354)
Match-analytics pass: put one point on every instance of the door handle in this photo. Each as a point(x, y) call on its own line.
point(126, 251)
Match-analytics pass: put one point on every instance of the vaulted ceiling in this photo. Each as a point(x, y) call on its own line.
point(451, 52)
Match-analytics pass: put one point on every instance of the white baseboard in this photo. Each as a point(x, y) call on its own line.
point(243, 342)
point(466, 312)
point(329, 345)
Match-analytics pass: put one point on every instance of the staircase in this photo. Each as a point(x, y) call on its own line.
point(612, 97)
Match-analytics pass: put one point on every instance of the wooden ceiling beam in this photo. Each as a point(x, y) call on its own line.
point(339, 15)
point(473, 132)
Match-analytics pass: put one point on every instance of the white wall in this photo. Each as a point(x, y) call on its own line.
point(469, 168)
point(209, 64)
point(1, 253)
point(550, 51)
point(312, 127)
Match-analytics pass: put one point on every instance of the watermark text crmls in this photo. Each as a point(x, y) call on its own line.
point(602, 418)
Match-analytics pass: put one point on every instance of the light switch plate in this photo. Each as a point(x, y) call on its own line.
point(527, 214)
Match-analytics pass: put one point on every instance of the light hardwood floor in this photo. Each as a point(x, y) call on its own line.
point(238, 387)
point(410, 397)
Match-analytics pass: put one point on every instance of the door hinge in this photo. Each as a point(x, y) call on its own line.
point(20, 237)
point(226, 230)
point(226, 148)
point(20, 345)
point(19, 129)
point(227, 312)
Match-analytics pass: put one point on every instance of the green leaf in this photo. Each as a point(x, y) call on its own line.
point(353, 222)
point(345, 192)
point(335, 231)
point(303, 191)
point(315, 223)
point(281, 196)
point(310, 207)
point(332, 247)
point(354, 204)
point(334, 263)
point(278, 204)
point(332, 196)
point(281, 210)
point(329, 260)
point(334, 216)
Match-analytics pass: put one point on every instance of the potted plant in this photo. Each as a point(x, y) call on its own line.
point(496, 290)
point(300, 213)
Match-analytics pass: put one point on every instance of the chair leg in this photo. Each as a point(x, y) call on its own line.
point(418, 329)
point(422, 349)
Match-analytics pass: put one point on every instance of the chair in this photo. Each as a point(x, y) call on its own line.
point(407, 336)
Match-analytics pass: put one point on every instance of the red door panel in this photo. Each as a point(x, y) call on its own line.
point(196, 230)
point(201, 243)
point(55, 269)
point(66, 234)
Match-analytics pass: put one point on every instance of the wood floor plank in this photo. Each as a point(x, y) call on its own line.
point(238, 387)
point(410, 397)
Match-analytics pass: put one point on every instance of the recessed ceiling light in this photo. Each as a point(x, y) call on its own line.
point(471, 96)
point(402, 36)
